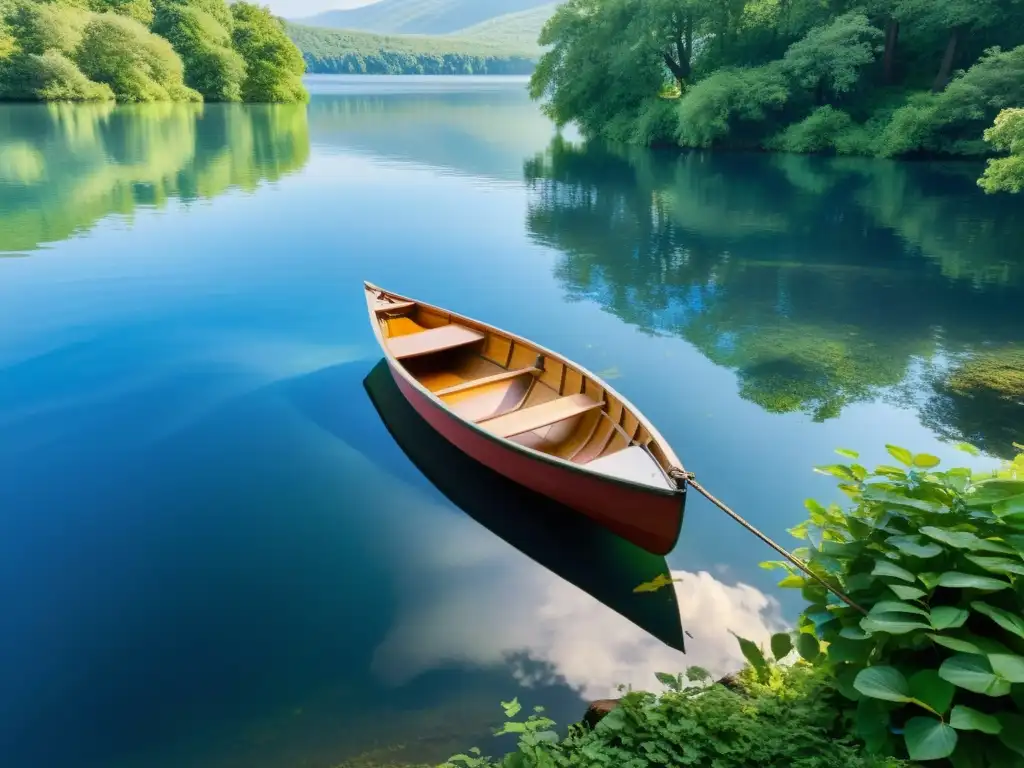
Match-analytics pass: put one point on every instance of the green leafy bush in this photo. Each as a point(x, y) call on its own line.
point(138, 65)
point(274, 66)
point(931, 663)
point(730, 103)
point(1006, 174)
point(50, 76)
point(772, 716)
point(201, 34)
point(826, 129)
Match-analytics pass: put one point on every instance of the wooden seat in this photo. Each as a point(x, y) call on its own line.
point(537, 416)
point(434, 340)
point(474, 383)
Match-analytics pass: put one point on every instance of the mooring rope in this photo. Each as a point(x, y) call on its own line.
point(687, 478)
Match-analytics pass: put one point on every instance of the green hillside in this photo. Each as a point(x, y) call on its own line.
point(423, 17)
point(518, 31)
point(330, 51)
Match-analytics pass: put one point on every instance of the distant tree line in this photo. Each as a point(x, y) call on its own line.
point(395, 63)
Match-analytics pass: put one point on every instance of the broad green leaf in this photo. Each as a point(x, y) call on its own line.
point(928, 738)
point(669, 681)
point(773, 565)
point(886, 683)
point(955, 644)
point(906, 593)
point(512, 708)
point(859, 581)
point(973, 673)
point(1013, 506)
point(926, 461)
point(961, 580)
point(843, 649)
point(893, 606)
point(781, 644)
point(993, 491)
point(955, 539)
point(751, 653)
point(793, 581)
point(967, 448)
point(1008, 666)
point(697, 674)
point(892, 623)
point(1008, 621)
point(894, 473)
point(807, 646)
point(948, 617)
point(966, 719)
point(998, 564)
point(847, 453)
point(927, 687)
point(930, 580)
point(876, 493)
point(837, 470)
point(902, 455)
point(915, 546)
point(886, 568)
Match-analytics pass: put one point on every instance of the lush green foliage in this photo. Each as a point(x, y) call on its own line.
point(775, 716)
point(141, 50)
point(421, 17)
point(201, 33)
point(931, 661)
point(1006, 174)
point(343, 52)
point(847, 76)
point(273, 64)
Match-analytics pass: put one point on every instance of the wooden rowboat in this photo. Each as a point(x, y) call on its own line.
point(534, 417)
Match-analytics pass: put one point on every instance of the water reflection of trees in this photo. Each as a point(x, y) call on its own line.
point(63, 167)
point(820, 282)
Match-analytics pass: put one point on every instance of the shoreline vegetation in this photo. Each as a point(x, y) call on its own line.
point(923, 663)
point(136, 51)
point(883, 78)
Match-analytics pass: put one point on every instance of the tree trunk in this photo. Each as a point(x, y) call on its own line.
point(676, 69)
point(892, 37)
point(947, 61)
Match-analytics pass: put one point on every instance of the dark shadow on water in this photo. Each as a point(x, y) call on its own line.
point(598, 562)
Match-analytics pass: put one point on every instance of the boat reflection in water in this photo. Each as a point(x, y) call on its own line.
point(568, 544)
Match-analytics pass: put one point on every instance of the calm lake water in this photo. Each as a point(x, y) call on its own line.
point(224, 542)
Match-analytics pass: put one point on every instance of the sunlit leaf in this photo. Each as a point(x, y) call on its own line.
point(973, 673)
point(926, 461)
point(1008, 666)
point(793, 581)
point(875, 493)
point(660, 581)
point(902, 455)
point(955, 644)
point(751, 653)
point(928, 738)
point(886, 683)
point(512, 708)
point(967, 448)
point(846, 453)
point(1008, 621)
point(966, 719)
point(837, 470)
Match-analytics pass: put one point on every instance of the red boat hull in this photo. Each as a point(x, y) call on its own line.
point(649, 519)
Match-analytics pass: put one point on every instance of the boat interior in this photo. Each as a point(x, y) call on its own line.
point(517, 392)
